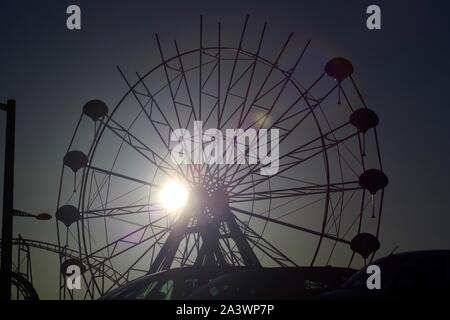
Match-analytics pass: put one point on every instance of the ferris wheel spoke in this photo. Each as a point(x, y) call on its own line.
point(297, 180)
point(283, 117)
point(125, 274)
point(275, 124)
point(97, 194)
point(154, 101)
point(333, 187)
point(263, 118)
point(250, 82)
point(335, 219)
point(131, 88)
point(188, 90)
point(200, 72)
point(116, 198)
point(156, 123)
point(308, 110)
point(103, 271)
point(230, 171)
point(125, 177)
point(305, 114)
point(284, 167)
point(296, 210)
point(283, 83)
point(233, 70)
point(189, 104)
point(289, 225)
point(168, 81)
point(219, 63)
point(211, 112)
point(137, 145)
point(120, 211)
point(295, 192)
point(132, 246)
point(307, 146)
point(113, 213)
point(125, 239)
point(153, 122)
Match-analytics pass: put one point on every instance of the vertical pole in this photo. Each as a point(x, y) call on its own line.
point(8, 198)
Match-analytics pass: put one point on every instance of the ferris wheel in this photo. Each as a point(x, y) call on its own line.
point(128, 210)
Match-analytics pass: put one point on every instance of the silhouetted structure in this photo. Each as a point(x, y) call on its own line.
point(118, 159)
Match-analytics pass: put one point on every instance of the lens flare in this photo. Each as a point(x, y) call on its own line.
point(173, 196)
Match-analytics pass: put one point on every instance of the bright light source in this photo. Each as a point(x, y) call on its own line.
point(173, 195)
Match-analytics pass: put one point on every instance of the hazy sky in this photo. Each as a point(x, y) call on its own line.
point(403, 71)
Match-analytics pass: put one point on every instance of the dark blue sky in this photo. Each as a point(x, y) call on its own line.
point(403, 71)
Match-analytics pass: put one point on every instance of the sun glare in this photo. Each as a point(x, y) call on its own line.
point(173, 195)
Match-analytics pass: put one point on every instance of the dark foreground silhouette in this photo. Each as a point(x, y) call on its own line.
point(412, 274)
point(418, 274)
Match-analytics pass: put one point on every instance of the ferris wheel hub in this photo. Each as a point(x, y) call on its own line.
point(203, 200)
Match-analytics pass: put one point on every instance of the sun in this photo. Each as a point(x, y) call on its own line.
point(173, 195)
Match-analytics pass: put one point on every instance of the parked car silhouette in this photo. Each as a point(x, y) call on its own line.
point(232, 283)
point(166, 285)
point(273, 283)
point(403, 275)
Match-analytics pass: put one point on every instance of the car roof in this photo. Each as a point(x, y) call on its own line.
point(414, 254)
point(215, 272)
